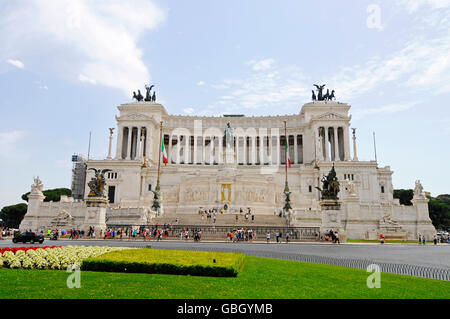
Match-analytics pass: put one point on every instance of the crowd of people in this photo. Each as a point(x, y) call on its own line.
point(212, 213)
point(239, 235)
point(331, 235)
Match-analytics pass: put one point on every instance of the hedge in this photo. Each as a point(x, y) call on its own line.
point(172, 263)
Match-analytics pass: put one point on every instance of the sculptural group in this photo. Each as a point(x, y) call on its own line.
point(320, 96)
point(97, 183)
point(149, 97)
point(330, 186)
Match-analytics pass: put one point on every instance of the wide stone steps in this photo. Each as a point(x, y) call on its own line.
point(226, 219)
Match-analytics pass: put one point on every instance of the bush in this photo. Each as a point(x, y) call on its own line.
point(171, 262)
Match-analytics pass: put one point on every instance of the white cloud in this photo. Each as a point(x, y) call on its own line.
point(189, 110)
point(8, 141)
point(414, 5)
point(201, 83)
point(261, 65)
point(16, 63)
point(269, 89)
point(387, 109)
point(85, 79)
point(101, 37)
point(43, 87)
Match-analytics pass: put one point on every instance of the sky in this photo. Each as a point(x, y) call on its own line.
point(66, 65)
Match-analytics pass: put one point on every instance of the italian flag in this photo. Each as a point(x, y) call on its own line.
point(163, 151)
point(287, 154)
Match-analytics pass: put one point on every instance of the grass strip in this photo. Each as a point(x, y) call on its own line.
point(172, 262)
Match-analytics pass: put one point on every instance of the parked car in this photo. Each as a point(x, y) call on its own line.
point(28, 237)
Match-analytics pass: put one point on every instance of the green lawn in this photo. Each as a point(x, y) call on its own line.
point(161, 261)
point(259, 278)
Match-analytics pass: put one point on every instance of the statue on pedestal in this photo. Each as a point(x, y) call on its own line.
point(229, 136)
point(418, 189)
point(97, 183)
point(37, 187)
point(330, 186)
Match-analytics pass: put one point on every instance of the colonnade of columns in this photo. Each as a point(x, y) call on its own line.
point(133, 142)
point(333, 143)
point(247, 150)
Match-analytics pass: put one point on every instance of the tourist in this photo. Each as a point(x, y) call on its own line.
point(277, 236)
point(268, 237)
point(420, 239)
point(435, 239)
point(287, 237)
point(423, 240)
point(382, 239)
point(336, 236)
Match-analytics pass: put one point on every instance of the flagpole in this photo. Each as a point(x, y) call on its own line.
point(286, 187)
point(159, 157)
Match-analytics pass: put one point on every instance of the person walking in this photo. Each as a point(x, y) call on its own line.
point(287, 237)
point(268, 237)
point(435, 239)
point(420, 239)
point(277, 236)
point(336, 236)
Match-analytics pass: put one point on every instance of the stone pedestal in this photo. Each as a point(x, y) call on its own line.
point(96, 213)
point(229, 156)
point(331, 215)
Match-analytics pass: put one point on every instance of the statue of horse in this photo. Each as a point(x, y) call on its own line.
point(326, 97)
point(332, 96)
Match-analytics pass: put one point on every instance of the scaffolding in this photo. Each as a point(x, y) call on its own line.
point(78, 177)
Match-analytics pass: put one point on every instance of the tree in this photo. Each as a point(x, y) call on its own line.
point(439, 208)
point(405, 196)
point(52, 194)
point(13, 215)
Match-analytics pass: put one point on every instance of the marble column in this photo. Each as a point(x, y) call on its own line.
point(336, 144)
point(148, 142)
point(244, 150)
point(345, 133)
point(237, 149)
point(253, 150)
point(130, 133)
point(187, 149)
point(138, 143)
point(355, 155)
point(220, 152)
point(295, 149)
point(327, 146)
point(203, 150)
point(119, 142)
point(169, 154)
point(278, 150)
point(178, 149)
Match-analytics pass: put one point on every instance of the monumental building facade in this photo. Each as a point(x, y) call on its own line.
point(239, 162)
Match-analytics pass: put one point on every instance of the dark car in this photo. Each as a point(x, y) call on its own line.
point(28, 237)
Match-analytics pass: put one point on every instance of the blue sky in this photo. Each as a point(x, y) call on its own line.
point(66, 65)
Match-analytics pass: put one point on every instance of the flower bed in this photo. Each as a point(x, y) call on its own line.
point(174, 262)
point(15, 249)
point(50, 257)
